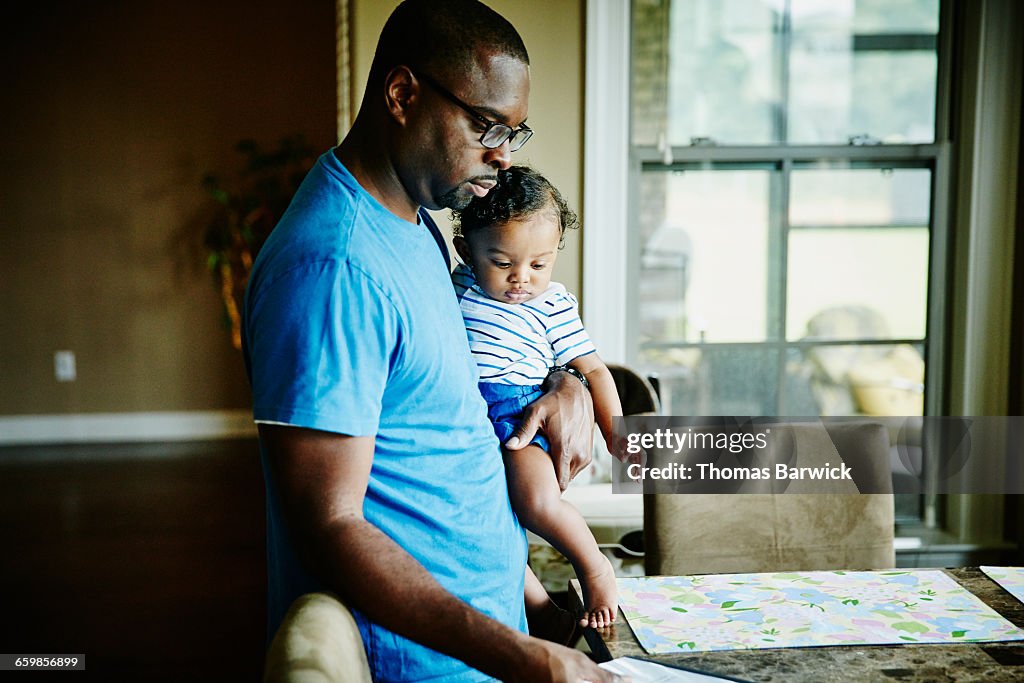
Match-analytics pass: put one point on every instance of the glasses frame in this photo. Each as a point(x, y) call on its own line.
point(515, 137)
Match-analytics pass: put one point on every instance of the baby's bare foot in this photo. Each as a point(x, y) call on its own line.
point(600, 596)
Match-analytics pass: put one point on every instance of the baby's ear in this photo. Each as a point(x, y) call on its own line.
point(462, 248)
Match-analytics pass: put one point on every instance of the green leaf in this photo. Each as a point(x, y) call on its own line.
point(220, 196)
point(958, 634)
point(729, 603)
point(910, 627)
point(689, 599)
point(851, 601)
point(679, 609)
point(687, 643)
point(888, 614)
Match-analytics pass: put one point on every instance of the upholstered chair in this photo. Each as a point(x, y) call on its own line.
point(318, 642)
point(687, 533)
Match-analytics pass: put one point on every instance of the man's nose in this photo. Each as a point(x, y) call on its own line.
point(500, 157)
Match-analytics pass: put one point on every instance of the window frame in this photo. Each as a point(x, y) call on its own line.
point(612, 162)
point(610, 288)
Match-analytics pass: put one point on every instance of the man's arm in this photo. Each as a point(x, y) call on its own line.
point(565, 414)
point(322, 479)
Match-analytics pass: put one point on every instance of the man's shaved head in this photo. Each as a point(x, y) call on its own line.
point(444, 37)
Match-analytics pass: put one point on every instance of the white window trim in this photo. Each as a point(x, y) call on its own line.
point(606, 176)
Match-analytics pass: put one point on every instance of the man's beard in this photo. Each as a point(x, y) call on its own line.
point(453, 199)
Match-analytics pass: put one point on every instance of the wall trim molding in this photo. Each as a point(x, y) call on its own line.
point(126, 427)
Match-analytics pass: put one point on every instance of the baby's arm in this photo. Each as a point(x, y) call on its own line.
point(606, 399)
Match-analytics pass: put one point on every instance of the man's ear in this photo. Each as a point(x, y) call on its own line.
point(400, 91)
point(462, 249)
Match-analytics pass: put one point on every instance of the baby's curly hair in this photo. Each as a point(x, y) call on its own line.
point(520, 192)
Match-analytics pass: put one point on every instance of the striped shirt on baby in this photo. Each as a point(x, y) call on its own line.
point(519, 343)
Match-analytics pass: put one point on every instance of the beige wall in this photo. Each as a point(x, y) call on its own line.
point(553, 33)
point(112, 112)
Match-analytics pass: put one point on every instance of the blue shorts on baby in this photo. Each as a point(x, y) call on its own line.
point(505, 405)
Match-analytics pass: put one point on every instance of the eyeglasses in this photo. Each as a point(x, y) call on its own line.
point(495, 134)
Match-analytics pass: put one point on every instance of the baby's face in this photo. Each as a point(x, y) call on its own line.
point(513, 262)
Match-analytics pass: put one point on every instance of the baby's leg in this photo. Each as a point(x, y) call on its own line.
point(538, 502)
point(537, 598)
point(547, 620)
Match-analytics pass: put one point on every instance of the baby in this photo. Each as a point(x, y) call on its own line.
point(520, 325)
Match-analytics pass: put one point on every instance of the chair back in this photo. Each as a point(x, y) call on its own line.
point(318, 642)
point(767, 532)
point(635, 392)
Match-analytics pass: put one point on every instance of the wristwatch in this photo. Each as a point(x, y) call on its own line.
point(572, 371)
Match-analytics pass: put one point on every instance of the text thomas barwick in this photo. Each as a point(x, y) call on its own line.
point(708, 471)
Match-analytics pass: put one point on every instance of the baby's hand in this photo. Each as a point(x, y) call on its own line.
point(619, 448)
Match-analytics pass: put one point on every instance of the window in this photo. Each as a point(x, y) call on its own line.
point(784, 159)
point(785, 237)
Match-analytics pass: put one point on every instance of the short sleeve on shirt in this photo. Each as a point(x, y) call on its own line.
point(565, 330)
point(324, 355)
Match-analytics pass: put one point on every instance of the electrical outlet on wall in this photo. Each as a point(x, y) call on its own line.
point(64, 368)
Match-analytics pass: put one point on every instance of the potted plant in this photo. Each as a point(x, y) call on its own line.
point(248, 207)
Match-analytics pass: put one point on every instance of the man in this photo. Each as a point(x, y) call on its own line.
point(384, 480)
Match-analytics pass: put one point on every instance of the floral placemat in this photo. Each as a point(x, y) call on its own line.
point(1010, 578)
point(672, 614)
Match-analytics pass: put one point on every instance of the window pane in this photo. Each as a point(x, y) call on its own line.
point(878, 379)
point(894, 16)
point(858, 254)
point(705, 69)
point(863, 69)
point(865, 197)
point(719, 381)
point(739, 73)
point(703, 272)
point(885, 96)
point(857, 284)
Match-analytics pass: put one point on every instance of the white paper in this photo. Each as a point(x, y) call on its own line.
point(642, 671)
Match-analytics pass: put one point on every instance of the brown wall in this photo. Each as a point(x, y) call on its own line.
point(112, 112)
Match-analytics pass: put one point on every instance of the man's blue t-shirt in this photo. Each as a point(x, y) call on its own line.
point(351, 326)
